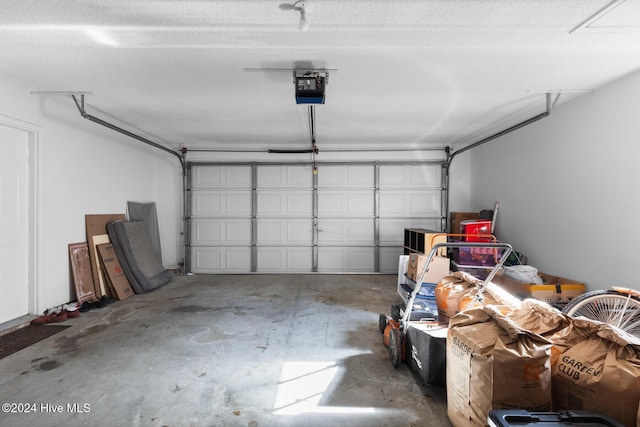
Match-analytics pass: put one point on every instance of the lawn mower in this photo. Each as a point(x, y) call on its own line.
point(394, 327)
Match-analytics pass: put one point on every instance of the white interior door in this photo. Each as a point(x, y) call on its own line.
point(14, 223)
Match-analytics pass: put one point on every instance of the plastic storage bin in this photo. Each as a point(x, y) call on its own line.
point(424, 308)
point(478, 226)
point(519, 417)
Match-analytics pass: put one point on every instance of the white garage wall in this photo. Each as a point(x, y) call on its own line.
point(84, 168)
point(568, 187)
point(460, 184)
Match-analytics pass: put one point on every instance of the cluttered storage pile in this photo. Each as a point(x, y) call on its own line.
point(505, 352)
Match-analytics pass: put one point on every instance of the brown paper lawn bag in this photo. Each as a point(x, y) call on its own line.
point(493, 363)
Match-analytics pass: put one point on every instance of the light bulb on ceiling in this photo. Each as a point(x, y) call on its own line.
point(302, 6)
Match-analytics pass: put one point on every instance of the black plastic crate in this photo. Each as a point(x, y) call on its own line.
point(519, 417)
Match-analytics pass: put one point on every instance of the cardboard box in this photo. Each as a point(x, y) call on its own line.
point(433, 238)
point(455, 218)
point(438, 268)
point(96, 225)
point(103, 280)
point(553, 290)
point(114, 273)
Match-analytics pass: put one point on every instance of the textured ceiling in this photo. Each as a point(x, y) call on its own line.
point(404, 74)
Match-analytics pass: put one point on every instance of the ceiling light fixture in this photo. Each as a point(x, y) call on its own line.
point(302, 6)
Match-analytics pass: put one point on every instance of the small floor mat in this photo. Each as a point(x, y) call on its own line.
point(26, 336)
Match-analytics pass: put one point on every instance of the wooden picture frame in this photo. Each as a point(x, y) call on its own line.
point(81, 271)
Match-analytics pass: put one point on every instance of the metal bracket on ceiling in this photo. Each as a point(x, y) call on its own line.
point(527, 122)
point(556, 93)
point(300, 68)
point(80, 105)
point(551, 104)
point(81, 108)
point(72, 93)
point(60, 92)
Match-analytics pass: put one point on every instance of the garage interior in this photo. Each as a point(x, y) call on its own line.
point(283, 218)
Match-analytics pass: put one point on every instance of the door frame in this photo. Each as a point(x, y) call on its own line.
point(33, 140)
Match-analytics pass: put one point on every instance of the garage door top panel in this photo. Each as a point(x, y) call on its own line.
point(221, 177)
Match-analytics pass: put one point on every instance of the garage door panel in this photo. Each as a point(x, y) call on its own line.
point(345, 231)
point(221, 176)
point(410, 203)
point(277, 232)
point(278, 176)
point(212, 260)
point(407, 176)
point(424, 203)
point(221, 203)
point(389, 259)
point(424, 176)
point(360, 203)
point(345, 203)
point(298, 204)
point(221, 231)
point(392, 230)
point(280, 259)
point(345, 176)
point(345, 259)
point(392, 203)
point(280, 203)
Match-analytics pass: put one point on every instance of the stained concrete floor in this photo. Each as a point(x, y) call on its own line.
point(225, 350)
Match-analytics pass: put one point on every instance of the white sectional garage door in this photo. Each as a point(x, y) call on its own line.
point(220, 224)
point(346, 218)
point(284, 218)
point(284, 237)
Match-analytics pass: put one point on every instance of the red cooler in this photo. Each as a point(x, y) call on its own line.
point(476, 226)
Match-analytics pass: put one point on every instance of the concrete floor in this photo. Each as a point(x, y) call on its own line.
point(230, 350)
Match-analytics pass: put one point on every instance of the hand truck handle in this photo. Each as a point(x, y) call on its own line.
point(484, 236)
